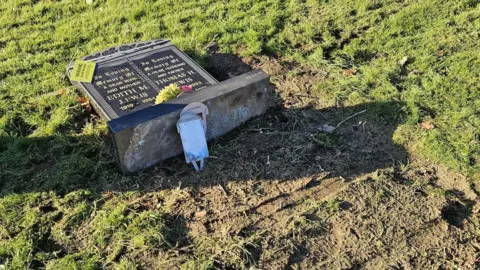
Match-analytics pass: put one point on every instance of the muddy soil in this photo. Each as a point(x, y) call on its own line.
point(277, 193)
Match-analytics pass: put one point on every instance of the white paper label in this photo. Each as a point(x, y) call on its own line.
point(193, 140)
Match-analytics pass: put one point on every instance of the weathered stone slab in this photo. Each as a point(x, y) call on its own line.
point(144, 138)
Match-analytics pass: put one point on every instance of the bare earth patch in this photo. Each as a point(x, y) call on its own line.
point(279, 194)
point(381, 220)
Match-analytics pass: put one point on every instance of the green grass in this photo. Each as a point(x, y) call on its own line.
point(49, 142)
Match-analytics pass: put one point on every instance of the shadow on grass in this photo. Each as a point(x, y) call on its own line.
point(280, 145)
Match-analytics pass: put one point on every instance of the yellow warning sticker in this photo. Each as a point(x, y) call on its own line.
point(83, 71)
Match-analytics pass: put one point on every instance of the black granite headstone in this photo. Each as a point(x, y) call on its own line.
point(128, 77)
point(127, 80)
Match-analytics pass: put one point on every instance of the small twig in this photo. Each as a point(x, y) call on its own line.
point(348, 118)
point(254, 129)
point(278, 133)
point(305, 96)
point(213, 39)
point(223, 189)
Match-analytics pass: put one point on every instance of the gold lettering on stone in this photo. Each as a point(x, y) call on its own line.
point(121, 94)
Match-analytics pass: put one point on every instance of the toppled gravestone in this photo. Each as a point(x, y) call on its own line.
point(127, 79)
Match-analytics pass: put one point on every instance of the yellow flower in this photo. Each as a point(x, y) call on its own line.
point(168, 93)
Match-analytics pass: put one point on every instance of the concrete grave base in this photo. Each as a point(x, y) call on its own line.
point(147, 137)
